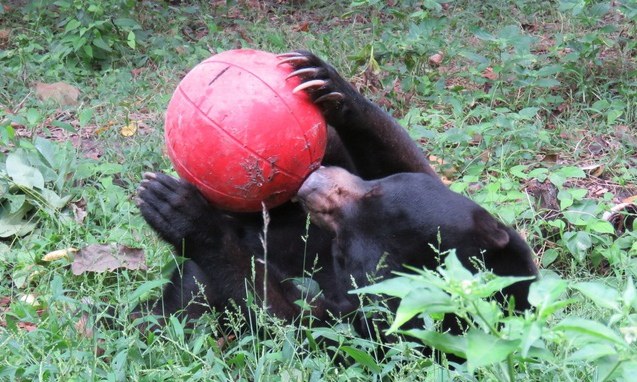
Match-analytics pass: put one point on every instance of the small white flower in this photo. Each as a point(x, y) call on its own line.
point(466, 286)
point(630, 334)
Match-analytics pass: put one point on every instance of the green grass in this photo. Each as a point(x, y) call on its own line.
point(527, 93)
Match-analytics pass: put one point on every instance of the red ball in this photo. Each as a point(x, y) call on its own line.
point(237, 132)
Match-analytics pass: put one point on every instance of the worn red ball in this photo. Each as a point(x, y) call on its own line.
point(237, 132)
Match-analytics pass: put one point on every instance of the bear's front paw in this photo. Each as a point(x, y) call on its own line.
point(171, 206)
point(321, 81)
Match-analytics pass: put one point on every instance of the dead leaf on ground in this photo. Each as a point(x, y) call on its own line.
point(544, 192)
point(65, 253)
point(223, 341)
point(27, 326)
point(302, 27)
point(436, 59)
point(445, 169)
point(630, 199)
point(594, 170)
point(129, 130)
point(4, 38)
point(79, 211)
point(107, 257)
point(83, 327)
point(549, 158)
point(135, 72)
point(622, 216)
point(60, 92)
point(490, 74)
point(625, 133)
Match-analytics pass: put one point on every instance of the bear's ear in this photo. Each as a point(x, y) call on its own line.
point(491, 233)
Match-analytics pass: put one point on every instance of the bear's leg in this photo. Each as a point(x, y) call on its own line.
point(375, 141)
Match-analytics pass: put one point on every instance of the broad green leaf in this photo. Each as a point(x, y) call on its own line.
point(98, 42)
point(428, 300)
point(629, 370)
point(497, 284)
point(539, 174)
point(519, 171)
point(486, 313)
point(578, 243)
point(47, 150)
point(88, 50)
point(126, 23)
point(582, 212)
point(395, 287)
point(145, 288)
point(612, 116)
point(545, 292)
point(549, 70)
point(71, 25)
point(547, 82)
point(444, 342)
point(592, 351)
point(33, 116)
point(22, 173)
point(16, 202)
point(63, 125)
point(484, 349)
point(15, 224)
point(565, 198)
point(131, 39)
point(601, 226)
point(528, 112)
point(362, 358)
point(602, 295)
point(85, 116)
point(629, 297)
point(454, 270)
point(54, 200)
point(592, 330)
point(177, 327)
point(571, 172)
point(531, 334)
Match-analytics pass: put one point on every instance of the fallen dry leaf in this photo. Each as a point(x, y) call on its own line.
point(436, 59)
point(630, 199)
point(60, 92)
point(4, 38)
point(65, 253)
point(79, 211)
point(135, 72)
point(594, 170)
point(107, 257)
point(28, 326)
point(29, 299)
point(223, 341)
point(129, 130)
point(622, 217)
point(490, 74)
point(302, 27)
point(550, 158)
point(544, 192)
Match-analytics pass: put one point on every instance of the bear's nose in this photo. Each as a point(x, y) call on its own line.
point(315, 181)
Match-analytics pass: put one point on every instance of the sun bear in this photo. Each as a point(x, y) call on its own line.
point(377, 194)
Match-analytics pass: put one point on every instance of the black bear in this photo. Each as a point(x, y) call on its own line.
point(378, 195)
